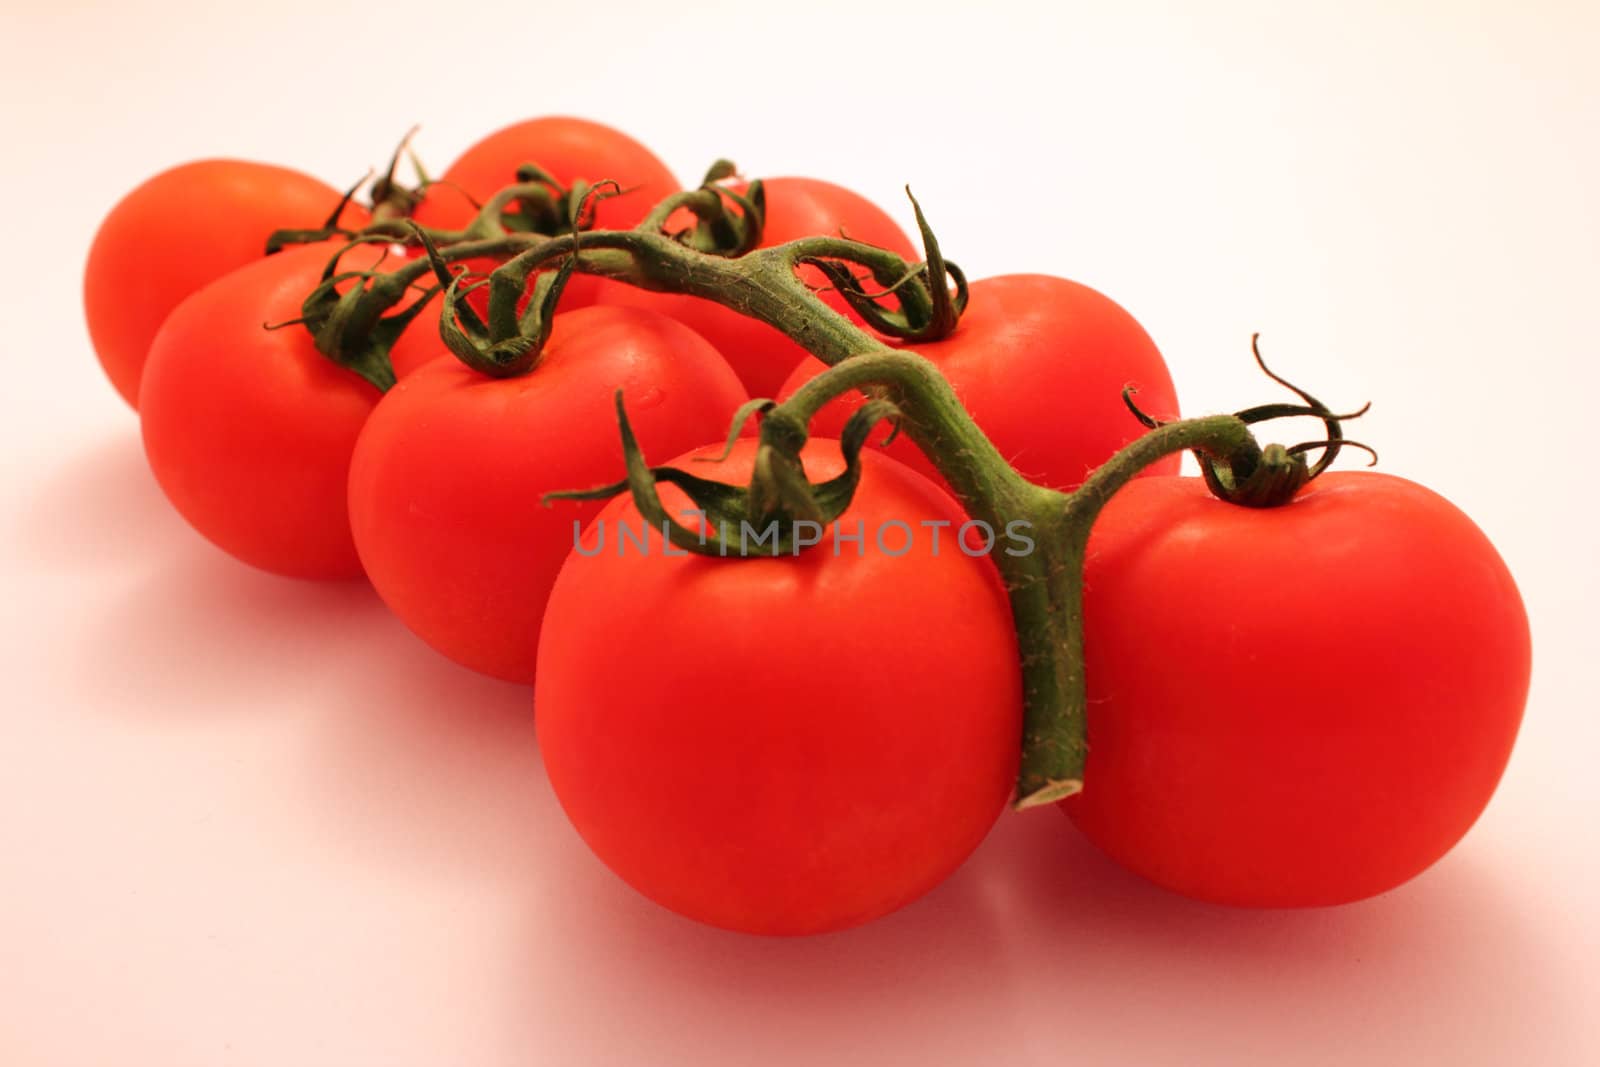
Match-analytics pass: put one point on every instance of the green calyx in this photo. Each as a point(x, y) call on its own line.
point(511, 341)
point(717, 257)
point(545, 206)
point(727, 223)
point(389, 200)
point(1272, 476)
point(351, 318)
point(778, 512)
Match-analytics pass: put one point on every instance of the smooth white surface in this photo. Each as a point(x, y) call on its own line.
point(250, 821)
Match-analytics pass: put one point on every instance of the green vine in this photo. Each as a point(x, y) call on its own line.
point(716, 258)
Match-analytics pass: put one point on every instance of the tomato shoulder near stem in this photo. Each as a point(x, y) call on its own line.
point(1040, 363)
point(796, 207)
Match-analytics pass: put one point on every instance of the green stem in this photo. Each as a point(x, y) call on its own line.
point(1224, 438)
point(762, 284)
point(1050, 623)
point(1044, 585)
point(932, 416)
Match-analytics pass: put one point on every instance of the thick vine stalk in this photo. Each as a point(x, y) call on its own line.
point(1044, 586)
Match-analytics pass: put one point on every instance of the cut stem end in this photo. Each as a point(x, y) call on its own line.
point(1049, 793)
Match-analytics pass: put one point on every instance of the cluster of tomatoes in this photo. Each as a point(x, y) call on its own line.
point(802, 743)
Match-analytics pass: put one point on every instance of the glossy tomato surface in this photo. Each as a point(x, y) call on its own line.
point(1294, 706)
point(796, 207)
point(248, 430)
point(1040, 363)
point(786, 745)
point(177, 232)
point(446, 485)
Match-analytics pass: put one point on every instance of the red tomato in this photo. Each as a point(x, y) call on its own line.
point(447, 478)
point(796, 207)
point(419, 345)
point(1040, 363)
point(1294, 706)
point(249, 431)
point(180, 230)
point(754, 743)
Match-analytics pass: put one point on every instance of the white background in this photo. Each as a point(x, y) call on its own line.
point(245, 820)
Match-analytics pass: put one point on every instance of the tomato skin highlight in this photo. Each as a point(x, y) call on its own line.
point(447, 478)
point(796, 207)
point(1040, 363)
point(1294, 706)
point(782, 746)
point(179, 231)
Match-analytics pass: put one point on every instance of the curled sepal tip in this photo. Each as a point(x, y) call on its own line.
point(939, 273)
point(778, 514)
point(720, 170)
